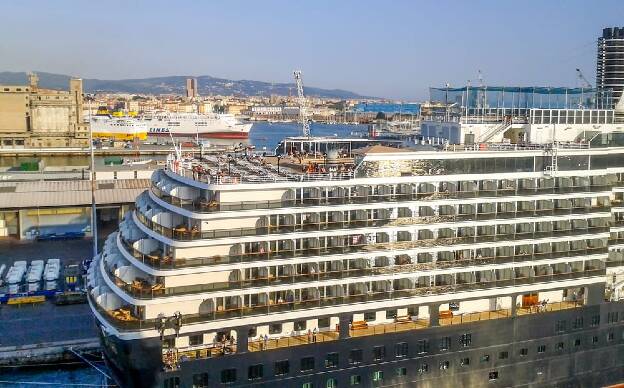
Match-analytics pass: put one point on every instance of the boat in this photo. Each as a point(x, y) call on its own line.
point(328, 264)
point(138, 162)
point(121, 128)
point(195, 125)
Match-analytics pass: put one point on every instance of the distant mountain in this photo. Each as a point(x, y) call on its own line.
point(176, 85)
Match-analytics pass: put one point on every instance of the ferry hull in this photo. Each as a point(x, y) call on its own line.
point(120, 136)
point(207, 135)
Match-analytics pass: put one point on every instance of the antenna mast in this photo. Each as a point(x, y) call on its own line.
point(303, 111)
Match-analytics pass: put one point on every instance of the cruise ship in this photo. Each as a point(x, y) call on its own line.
point(195, 125)
point(493, 264)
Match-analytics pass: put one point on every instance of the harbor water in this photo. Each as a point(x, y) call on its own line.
point(265, 137)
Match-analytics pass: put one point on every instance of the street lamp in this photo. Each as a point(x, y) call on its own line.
point(279, 157)
point(90, 98)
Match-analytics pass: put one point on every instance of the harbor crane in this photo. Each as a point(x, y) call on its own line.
point(584, 82)
point(303, 110)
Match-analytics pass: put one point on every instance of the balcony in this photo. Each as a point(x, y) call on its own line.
point(206, 206)
point(548, 307)
point(460, 319)
point(172, 358)
point(403, 324)
point(183, 233)
point(159, 260)
point(293, 340)
point(125, 320)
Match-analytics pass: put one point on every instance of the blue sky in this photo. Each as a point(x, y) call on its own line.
point(383, 48)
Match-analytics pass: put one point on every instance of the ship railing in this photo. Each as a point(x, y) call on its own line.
point(154, 291)
point(292, 340)
point(515, 146)
point(475, 317)
point(545, 307)
point(361, 329)
point(183, 233)
point(249, 176)
point(160, 260)
point(173, 357)
point(239, 312)
point(206, 206)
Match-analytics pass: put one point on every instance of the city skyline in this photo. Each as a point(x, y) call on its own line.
point(393, 51)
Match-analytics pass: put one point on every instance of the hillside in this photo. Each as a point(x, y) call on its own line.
point(175, 85)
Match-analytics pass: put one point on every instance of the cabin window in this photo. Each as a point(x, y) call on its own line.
point(200, 380)
point(307, 364)
point(282, 367)
point(255, 372)
point(355, 356)
point(331, 361)
point(228, 376)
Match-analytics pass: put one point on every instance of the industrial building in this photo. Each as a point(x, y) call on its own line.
point(57, 205)
point(34, 117)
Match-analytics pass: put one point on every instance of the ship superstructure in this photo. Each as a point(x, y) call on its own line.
point(482, 114)
point(470, 266)
point(208, 125)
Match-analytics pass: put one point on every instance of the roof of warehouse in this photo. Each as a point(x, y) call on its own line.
point(33, 194)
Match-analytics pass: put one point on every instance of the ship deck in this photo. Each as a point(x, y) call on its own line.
point(235, 168)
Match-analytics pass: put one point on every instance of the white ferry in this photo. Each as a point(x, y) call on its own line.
point(209, 125)
point(105, 126)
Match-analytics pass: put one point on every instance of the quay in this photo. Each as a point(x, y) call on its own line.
point(112, 151)
point(49, 352)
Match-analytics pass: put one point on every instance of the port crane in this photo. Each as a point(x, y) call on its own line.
point(584, 82)
point(303, 110)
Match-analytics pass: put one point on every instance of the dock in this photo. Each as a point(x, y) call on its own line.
point(48, 352)
point(112, 151)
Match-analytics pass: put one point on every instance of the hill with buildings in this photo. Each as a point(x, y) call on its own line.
point(207, 85)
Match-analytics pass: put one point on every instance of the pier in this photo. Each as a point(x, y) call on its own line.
point(48, 352)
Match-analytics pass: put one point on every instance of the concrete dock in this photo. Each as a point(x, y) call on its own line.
point(49, 352)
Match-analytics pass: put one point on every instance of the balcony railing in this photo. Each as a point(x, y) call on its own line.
point(172, 358)
point(138, 289)
point(208, 206)
point(238, 312)
point(160, 260)
point(292, 340)
point(183, 233)
point(385, 328)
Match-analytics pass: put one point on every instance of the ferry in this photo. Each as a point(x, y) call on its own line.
point(195, 125)
point(114, 127)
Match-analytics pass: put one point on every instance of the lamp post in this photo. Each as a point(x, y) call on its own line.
point(446, 111)
point(90, 98)
point(279, 157)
